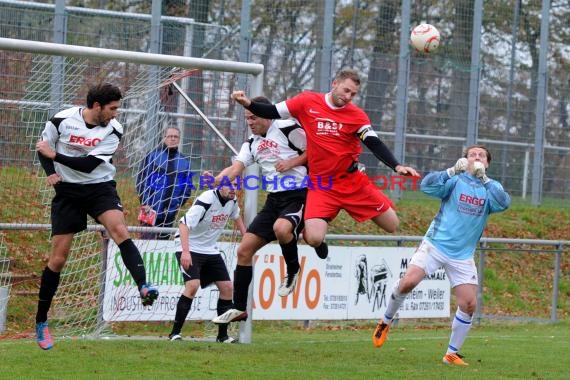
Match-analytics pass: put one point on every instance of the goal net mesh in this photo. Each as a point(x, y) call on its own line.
point(35, 86)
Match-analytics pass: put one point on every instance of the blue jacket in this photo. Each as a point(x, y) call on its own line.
point(164, 181)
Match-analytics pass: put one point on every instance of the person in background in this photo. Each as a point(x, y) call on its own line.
point(162, 184)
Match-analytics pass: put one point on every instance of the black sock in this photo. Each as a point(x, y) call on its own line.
point(48, 287)
point(133, 261)
point(182, 310)
point(242, 278)
point(291, 256)
point(223, 306)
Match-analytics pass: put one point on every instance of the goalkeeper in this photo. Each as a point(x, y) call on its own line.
point(467, 196)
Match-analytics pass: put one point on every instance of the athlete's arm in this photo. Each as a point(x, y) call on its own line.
point(240, 225)
point(438, 184)
point(185, 257)
point(381, 151)
point(285, 165)
point(499, 199)
point(231, 172)
point(266, 111)
point(47, 164)
point(82, 164)
point(44, 150)
point(377, 147)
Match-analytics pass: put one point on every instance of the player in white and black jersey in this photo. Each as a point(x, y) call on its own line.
point(200, 260)
point(278, 146)
point(76, 150)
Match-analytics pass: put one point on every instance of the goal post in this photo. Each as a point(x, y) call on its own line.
point(41, 78)
point(48, 48)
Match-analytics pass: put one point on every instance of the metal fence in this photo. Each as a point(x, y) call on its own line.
point(492, 255)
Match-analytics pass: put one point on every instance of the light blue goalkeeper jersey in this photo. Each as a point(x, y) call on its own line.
point(465, 206)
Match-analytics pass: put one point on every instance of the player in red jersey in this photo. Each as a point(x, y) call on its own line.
point(334, 128)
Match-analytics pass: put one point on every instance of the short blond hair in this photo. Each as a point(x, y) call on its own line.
point(348, 74)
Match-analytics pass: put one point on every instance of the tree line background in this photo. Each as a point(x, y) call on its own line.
point(302, 44)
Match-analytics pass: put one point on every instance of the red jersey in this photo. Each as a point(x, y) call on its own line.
point(332, 140)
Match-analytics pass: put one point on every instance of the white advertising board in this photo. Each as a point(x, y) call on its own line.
point(352, 283)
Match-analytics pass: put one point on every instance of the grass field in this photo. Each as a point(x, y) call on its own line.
point(509, 289)
point(515, 285)
point(288, 351)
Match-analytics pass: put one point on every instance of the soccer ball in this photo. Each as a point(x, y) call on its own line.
point(425, 38)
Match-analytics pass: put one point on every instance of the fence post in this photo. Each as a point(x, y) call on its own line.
point(480, 271)
point(4, 297)
point(101, 324)
point(556, 282)
point(5, 278)
point(541, 102)
point(58, 68)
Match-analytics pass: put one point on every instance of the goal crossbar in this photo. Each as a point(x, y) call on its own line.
point(49, 48)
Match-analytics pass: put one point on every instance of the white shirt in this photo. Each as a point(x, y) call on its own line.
point(206, 220)
point(68, 134)
point(284, 140)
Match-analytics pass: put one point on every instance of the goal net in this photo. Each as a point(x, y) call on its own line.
point(41, 79)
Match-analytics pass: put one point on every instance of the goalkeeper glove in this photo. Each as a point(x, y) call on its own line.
point(459, 167)
point(479, 172)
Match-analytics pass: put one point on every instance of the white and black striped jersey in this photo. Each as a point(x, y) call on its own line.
point(68, 134)
point(284, 140)
point(206, 219)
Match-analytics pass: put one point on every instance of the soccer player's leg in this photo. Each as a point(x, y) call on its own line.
point(113, 220)
point(290, 253)
point(61, 244)
point(105, 207)
point(463, 277)
point(48, 287)
point(215, 270)
point(322, 206)
point(402, 287)
point(287, 228)
point(224, 304)
point(243, 274)
point(191, 279)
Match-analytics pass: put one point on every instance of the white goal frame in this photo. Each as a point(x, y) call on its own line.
point(255, 88)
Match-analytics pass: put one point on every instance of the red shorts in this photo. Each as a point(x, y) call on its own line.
point(352, 192)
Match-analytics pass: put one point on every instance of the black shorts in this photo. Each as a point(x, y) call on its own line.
point(288, 205)
point(206, 268)
point(73, 202)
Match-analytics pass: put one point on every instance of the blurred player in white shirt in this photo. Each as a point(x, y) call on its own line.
point(200, 260)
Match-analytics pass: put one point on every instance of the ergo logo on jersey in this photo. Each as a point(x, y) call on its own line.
point(265, 144)
point(83, 141)
point(472, 200)
point(219, 218)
